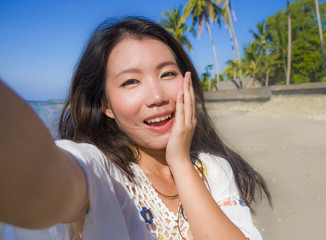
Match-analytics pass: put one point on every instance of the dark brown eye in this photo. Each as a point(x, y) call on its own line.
point(129, 82)
point(168, 74)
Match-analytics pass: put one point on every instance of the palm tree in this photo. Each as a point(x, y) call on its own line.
point(278, 43)
point(230, 70)
point(288, 72)
point(252, 61)
point(171, 23)
point(227, 17)
point(233, 54)
point(206, 77)
point(203, 11)
point(263, 37)
point(321, 36)
point(270, 62)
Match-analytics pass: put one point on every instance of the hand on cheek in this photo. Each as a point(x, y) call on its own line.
point(184, 125)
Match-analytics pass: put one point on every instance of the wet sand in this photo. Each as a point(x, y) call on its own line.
point(285, 140)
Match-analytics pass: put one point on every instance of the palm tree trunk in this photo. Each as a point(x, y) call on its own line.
point(233, 54)
point(321, 38)
point(288, 73)
point(215, 57)
point(267, 67)
point(235, 39)
point(267, 78)
point(284, 66)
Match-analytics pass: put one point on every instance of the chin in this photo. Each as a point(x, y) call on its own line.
point(153, 141)
point(155, 145)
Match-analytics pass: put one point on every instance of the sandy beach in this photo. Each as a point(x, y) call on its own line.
point(285, 140)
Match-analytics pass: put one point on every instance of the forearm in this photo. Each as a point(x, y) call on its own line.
point(206, 219)
point(34, 189)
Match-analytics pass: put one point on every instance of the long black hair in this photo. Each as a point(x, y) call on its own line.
point(82, 119)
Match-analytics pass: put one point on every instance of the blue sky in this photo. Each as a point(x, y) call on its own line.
point(41, 41)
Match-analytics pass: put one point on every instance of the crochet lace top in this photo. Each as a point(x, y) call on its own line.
point(132, 210)
point(163, 223)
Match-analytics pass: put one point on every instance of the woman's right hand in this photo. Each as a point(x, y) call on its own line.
point(178, 147)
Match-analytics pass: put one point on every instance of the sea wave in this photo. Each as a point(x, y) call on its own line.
point(49, 112)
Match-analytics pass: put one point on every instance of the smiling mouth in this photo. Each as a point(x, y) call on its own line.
point(158, 121)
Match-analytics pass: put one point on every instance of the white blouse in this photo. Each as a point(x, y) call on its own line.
point(119, 207)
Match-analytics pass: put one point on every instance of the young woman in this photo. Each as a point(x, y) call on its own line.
point(139, 159)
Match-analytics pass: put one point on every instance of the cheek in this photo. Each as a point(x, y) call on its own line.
point(125, 108)
point(174, 89)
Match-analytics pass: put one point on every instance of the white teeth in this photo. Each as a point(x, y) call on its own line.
point(158, 119)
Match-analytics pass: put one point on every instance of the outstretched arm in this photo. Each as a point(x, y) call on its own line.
point(206, 219)
point(40, 184)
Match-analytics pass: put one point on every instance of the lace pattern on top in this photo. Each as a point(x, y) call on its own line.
point(165, 223)
point(160, 221)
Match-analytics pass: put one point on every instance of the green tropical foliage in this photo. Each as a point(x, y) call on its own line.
point(306, 54)
point(252, 62)
point(227, 15)
point(321, 37)
point(206, 78)
point(204, 12)
point(171, 22)
point(265, 58)
point(230, 70)
point(263, 37)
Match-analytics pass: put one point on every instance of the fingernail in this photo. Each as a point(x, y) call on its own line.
point(188, 77)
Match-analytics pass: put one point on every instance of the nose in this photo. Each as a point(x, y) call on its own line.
point(155, 94)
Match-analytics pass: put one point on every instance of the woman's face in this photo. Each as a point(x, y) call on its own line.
point(143, 81)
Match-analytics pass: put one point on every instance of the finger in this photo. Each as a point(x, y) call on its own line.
point(186, 81)
point(179, 114)
point(193, 98)
point(188, 106)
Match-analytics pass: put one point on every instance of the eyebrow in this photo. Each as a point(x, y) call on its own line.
point(136, 70)
point(167, 63)
point(128, 70)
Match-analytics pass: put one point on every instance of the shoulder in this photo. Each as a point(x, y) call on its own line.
point(106, 195)
point(84, 153)
point(216, 162)
point(81, 149)
point(89, 157)
point(219, 176)
point(218, 168)
point(221, 183)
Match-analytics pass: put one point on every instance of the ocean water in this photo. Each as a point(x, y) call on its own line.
point(49, 112)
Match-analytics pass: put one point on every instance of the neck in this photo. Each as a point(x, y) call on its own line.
point(154, 162)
